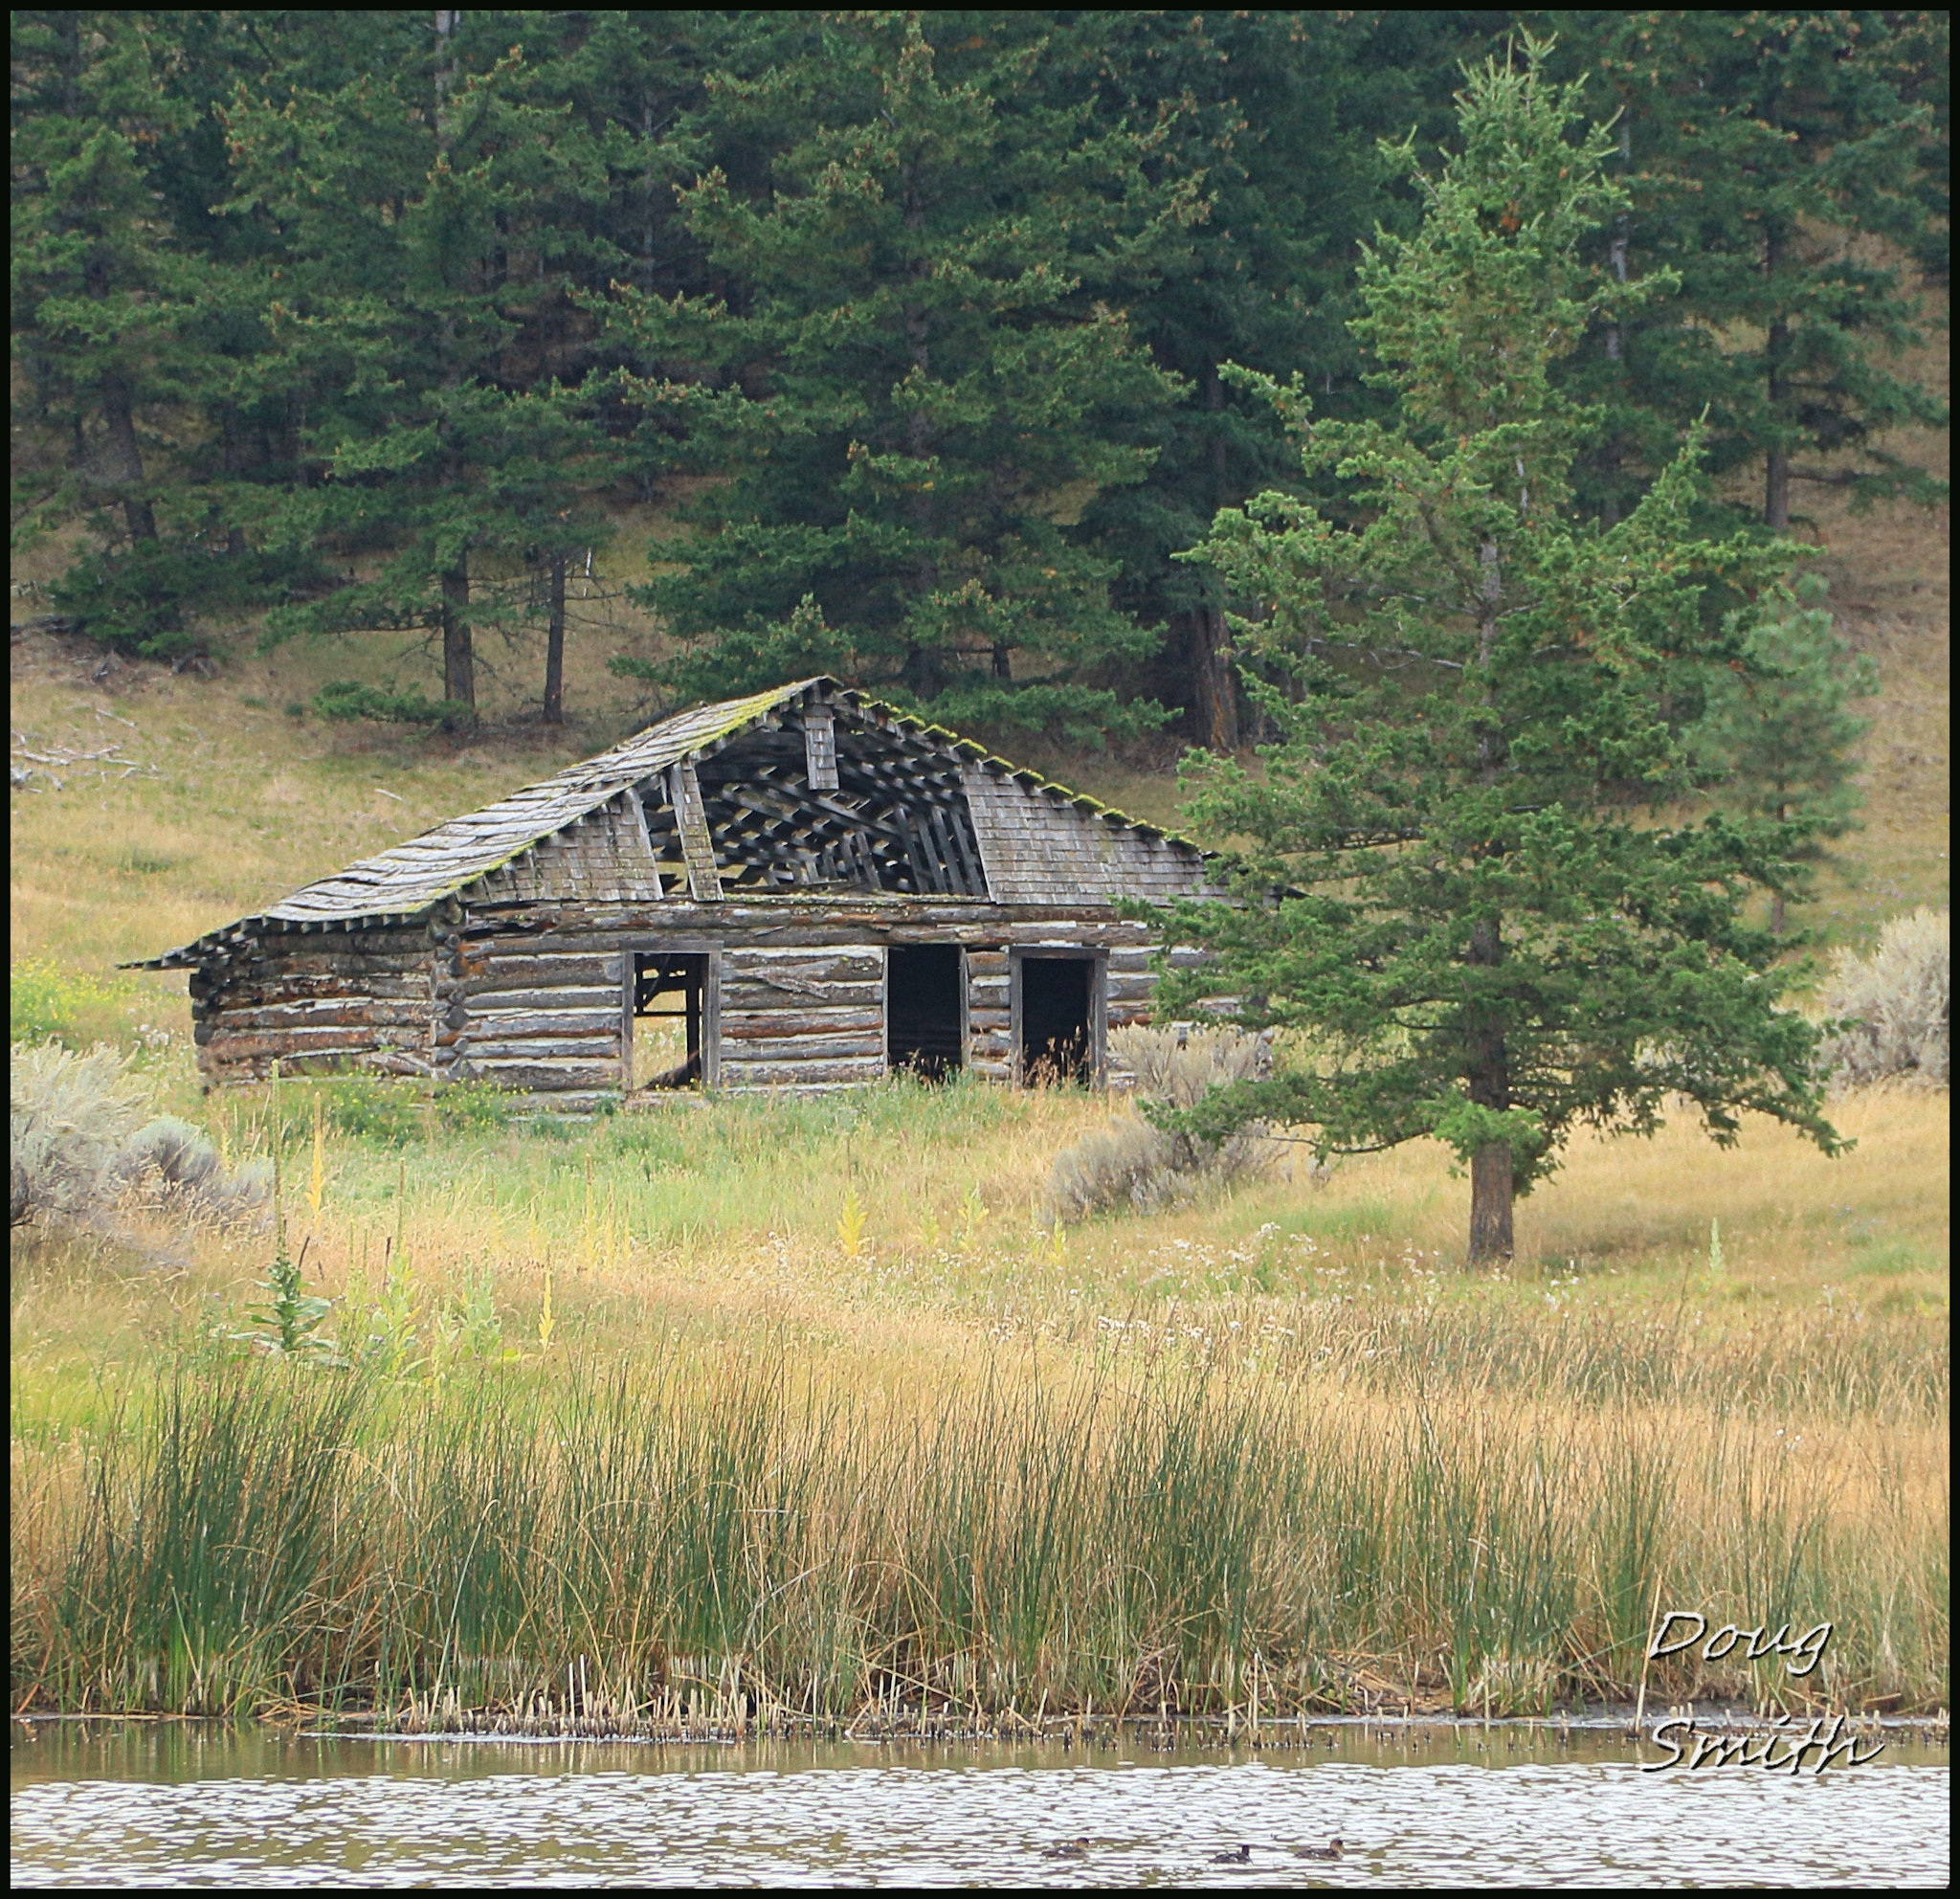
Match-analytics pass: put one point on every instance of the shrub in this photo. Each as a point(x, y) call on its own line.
point(69, 1115)
point(392, 1113)
point(1178, 1063)
point(1898, 1003)
point(81, 1138)
point(349, 699)
point(174, 1157)
point(1133, 1163)
point(141, 600)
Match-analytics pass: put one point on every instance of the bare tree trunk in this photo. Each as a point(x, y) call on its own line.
point(1776, 913)
point(1216, 707)
point(1489, 1068)
point(445, 73)
point(459, 656)
point(554, 644)
point(125, 459)
point(1490, 1205)
point(1776, 488)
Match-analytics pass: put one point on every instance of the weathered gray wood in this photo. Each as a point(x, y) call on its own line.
point(766, 1000)
point(639, 811)
point(481, 997)
point(820, 747)
point(842, 1032)
point(703, 879)
point(798, 1074)
point(504, 1023)
point(525, 1073)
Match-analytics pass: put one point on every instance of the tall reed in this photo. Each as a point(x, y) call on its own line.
point(728, 1539)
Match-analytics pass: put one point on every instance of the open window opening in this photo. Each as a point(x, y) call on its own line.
point(924, 1026)
point(669, 1001)
point(1057, 1030)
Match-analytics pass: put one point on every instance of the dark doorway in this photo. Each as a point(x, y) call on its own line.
point(924, 1029)
point(669, 1001)
point(1058, 1035)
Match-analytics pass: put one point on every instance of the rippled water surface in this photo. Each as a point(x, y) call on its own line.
point(191, 1807)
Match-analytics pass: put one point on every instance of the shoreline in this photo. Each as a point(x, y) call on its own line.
point(1068, 1732)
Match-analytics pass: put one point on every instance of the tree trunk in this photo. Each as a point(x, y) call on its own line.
point(1216, 703)
point(554, 644)
point(125, 459)
point(458, 656)
point(1490, 1205)
point(445, 73)
point(1776, 489)
point(1490, 1086)
point(1489, 1066)
point(1776, 908)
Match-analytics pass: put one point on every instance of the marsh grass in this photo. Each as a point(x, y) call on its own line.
point(790, 1411)
point(736, 1538)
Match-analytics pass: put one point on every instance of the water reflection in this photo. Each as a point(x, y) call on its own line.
point(124, 1807)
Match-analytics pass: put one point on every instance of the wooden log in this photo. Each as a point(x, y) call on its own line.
point(853, 1043)
point(284, 1017)
point(547, 1075)
point(538, 1048)
point(799, 1074)
point(246, 1045)
point(487, 995)
point(766, 998)
point(505, 1025)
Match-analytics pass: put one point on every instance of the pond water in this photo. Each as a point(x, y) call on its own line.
point(115, 1805)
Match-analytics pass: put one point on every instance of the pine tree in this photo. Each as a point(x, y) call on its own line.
point(425, 237)
point(1764, 152)
point(1448, 892)
point(96, 286)
point(1778, 738)
point(1278, 115)
point(910, 390)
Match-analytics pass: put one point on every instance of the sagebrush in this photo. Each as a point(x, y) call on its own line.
point(1133, 1163)
point(81, 1138)
point(1899, 1003)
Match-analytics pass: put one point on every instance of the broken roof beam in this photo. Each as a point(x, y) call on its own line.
point(690, 818)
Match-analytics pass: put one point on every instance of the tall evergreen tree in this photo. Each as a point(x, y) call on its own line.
point(1778, 737)
point(96, 283)
point(910, 390)
point(1277, 114)
point(1763, 153)
point(1476, 936)
point(423, 235)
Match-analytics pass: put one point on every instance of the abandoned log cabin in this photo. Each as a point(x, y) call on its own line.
point(800, 889)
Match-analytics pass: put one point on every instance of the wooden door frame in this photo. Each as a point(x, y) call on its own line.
point(1098, 960)
point(710, 1001)
point(884, 1000)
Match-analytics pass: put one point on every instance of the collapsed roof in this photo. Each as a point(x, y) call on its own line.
point(808, 789)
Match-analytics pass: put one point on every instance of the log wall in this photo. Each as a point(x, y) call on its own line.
point(361, 1000)
point(531, 995)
